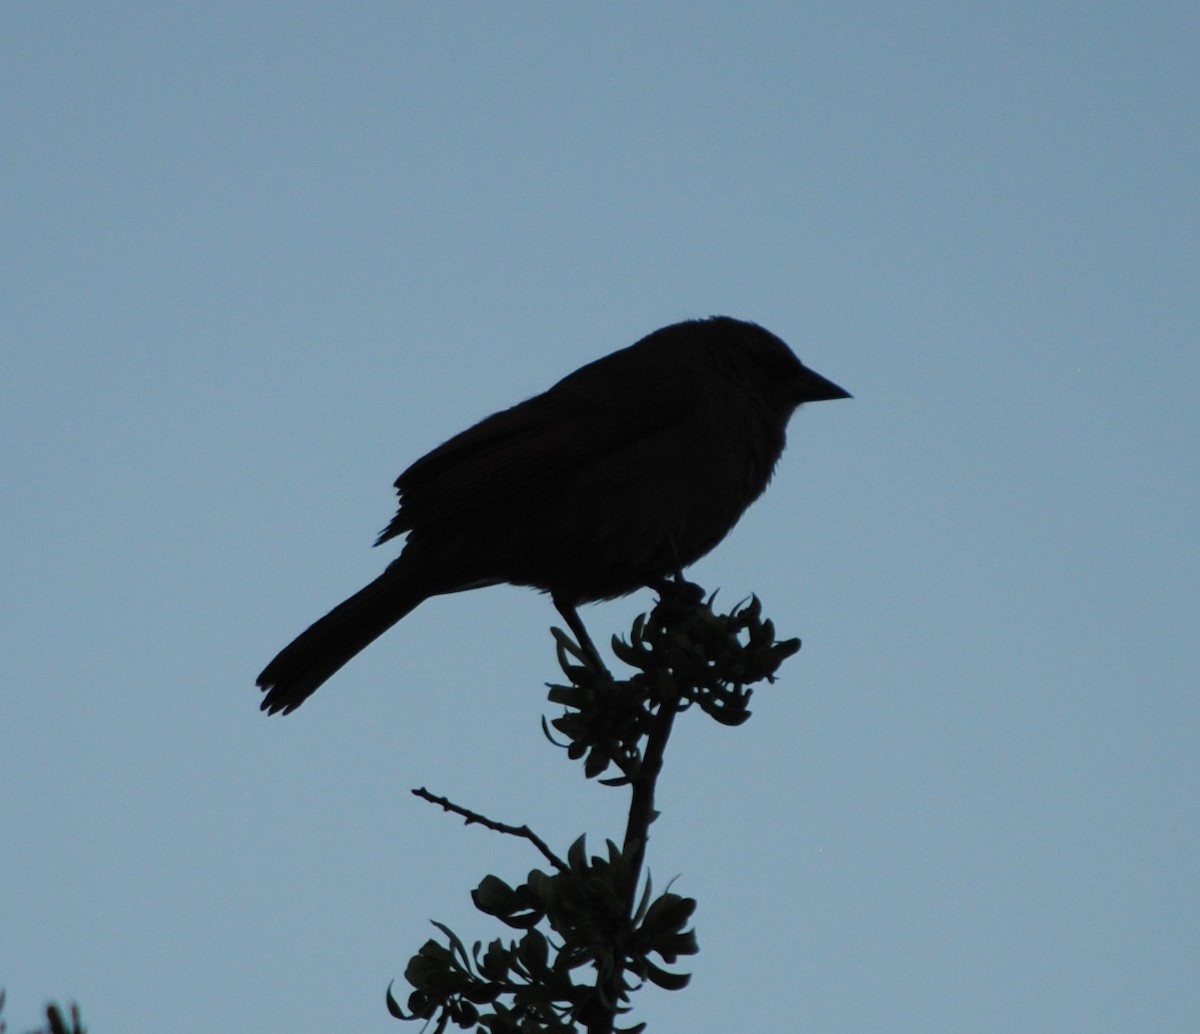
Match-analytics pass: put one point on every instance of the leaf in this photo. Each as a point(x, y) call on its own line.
point(665, 979)
point(495, 897)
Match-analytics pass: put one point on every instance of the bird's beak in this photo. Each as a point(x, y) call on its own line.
point(815, 388)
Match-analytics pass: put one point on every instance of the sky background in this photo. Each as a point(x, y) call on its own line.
point(258, 257)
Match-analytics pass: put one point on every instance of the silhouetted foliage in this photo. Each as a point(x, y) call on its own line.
point(56, 1022)
point(591, 929)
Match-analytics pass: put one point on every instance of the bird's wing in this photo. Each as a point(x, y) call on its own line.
point(599, 409)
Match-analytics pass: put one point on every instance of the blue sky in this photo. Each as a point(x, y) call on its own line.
point(258, 257)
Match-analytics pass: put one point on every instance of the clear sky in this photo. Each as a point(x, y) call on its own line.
point(258, 257)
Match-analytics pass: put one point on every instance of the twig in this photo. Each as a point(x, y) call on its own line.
point(497, 827)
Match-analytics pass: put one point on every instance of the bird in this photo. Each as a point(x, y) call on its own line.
point(617, 478)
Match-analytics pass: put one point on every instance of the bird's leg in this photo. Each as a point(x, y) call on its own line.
point(678, 567)
point(571, 617)
point(676, 587)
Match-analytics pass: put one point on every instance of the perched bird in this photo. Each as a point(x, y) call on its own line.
point(622, 474)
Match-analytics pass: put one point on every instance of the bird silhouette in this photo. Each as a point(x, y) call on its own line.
point(618, 477)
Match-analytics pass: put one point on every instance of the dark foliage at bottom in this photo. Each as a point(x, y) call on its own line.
point(591, 929)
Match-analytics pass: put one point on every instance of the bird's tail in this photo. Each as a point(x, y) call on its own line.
point(319, 651)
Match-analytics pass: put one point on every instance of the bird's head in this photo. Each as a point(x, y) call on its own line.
point(774, 371)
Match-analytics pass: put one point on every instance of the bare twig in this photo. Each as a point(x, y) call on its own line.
point(497, 827)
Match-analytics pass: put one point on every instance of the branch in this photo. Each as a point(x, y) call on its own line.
point(498, 827)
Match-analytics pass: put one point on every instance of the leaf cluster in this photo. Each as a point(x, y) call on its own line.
point(585, 904)
point(683, 654)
